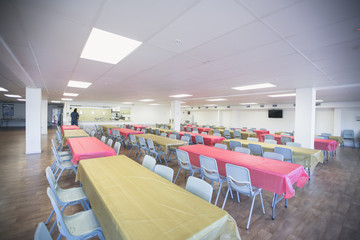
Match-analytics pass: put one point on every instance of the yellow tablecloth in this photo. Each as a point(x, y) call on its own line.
point(167, 131)
point(164, 142)
point(73, 134)
point(106, 127)
point(306, 157)
point(220, 128)
point(132, 202)
point(340, 140)
point(244, 135)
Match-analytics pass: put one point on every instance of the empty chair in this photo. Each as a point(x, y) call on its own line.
point(237, 134)
point(216, 131)
point(284, 139)
point(143, 130)
point(188, 129)
point(272, 141)
point(172, 136)
point(227, 134)
point(63, 155)
point(165, 172)
point(221, 146)
point(153, 150)
point(249, 130)
point(134, 145)
point(286, 134)
point(268, 136)
point(186, 139)
point(92, 133)
point(326, 134)
point(195, 131)
point(184, 163)
point(210, 171)
point(163, 134)
point(238, 179)
point(151, 130)
point(293, 144)
point(264, 129)
point(143, 147)
point(109, 142)
point(176, 134)
point(199, 188)
point(199, 139)
point(149, 162)
point(138, 129)
point(234, 144)
point(62, 165)
point(189, 136)
point(103, 139)
point(117, 147)
point(255, 149)
point(242, 150)
point(252, 139)
point(217, 134)
point(81, 225)
point(273, 155)
point(157, 131)
point(286, 152)
point(320, 137)
point(41, 232)
point(182, 129)
point(204, 133)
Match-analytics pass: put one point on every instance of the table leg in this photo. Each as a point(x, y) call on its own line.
point(276, 201)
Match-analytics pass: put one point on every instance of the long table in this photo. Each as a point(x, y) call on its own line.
point(209, 140)
point(88, 147)
point(69, 127)
point(106, 127)
point(306, 157)
point(162, 130)
point(125, 131)
point(73, 134)
point(131, 202)
point(164, 142)
point(271, 175)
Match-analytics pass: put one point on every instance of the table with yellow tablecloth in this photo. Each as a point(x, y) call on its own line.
point(164, 142)
point(73, 134)
point(132, 202)
point(306, 157)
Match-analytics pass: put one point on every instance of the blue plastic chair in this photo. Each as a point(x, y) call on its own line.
point(199, 188)
point(242, 150)
point(184, 163)
point(149, 162)
point(234, 144)
point(255, 149)
point(63, 165)
point(199, 139)
point(286, 152)
point(143, 147)
point(221, 146)
point(272, 155)
point(165, 172)
point(41, 232)
point(157, 153)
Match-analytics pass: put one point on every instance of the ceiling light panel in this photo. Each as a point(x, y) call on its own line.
point(103, 46)
point(3, 89)
point(180, 95)
point(248, 103)
point(78, 84)
point(255, 86)
point(13, 96)
point(66, 99)
point(22, 100)
point(147, 100)
point(154, 104)
point(283, 95)
point(71, 94)
point(216, 100)
point(55, 101)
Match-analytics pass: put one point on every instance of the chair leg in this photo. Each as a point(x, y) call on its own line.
point(217, 197)
point(51, 214)
point(237, 194)
point(227, 193)
point(262, 203)
point(251, 209)
point(59, 175)
point(178, 175)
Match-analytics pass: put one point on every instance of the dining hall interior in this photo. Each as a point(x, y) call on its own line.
point(170, 98)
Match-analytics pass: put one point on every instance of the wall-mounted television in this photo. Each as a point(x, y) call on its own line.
point(275, 113)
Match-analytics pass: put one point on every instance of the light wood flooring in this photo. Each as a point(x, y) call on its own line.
point(328, 207)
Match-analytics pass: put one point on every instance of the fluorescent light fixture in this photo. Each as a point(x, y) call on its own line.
point(154, 104)
point(108, 47)
point(147, 100)
point(55, 101)
point(216, 99)
point(319, 100)
point(3, 89)
point(255, 86)
point(283, 95)
point(127, 103)
point(22, 100)
point(71, 94)
point(66, 99)
point(251, 103)
point(180, 95)
point(11, 95)
point(78, 84)
point(182, 102)
point(210, 105)
point(185, 106)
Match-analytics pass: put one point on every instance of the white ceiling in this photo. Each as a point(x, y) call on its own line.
point(290, 43)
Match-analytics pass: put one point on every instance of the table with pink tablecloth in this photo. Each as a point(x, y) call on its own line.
point(209, 140)
point(126, 132)
point(69, 127)
point(88, 147)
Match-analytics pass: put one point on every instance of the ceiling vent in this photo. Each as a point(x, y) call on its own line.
point(275, 105)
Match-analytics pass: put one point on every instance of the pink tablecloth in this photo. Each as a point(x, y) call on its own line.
point(271, 175)
point(258, 132)
point(125, 131)
point(276, 137)
point(88, 147)
point(69, 127)
point(137, 126)
point(209, 140)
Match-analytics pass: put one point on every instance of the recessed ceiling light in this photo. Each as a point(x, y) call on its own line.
point(147, 100)
point(71, 94)
point(255, 86)
point(127, 103)
point(319, 100)
point(11, 95)
point(3, 89)
point(154, 104)
point(216, 99)
point(180, 95)
point(66, 99)
point(103, 46)
point(78, 84)
point(283, 95)
point(248, 103)
point(210, 105)
point(55, 101)
point(22, 100)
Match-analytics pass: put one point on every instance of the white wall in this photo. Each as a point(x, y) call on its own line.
point(349, 121)
point(145, 114)
point(324, 121)
point(205, 117)
point(226, 118)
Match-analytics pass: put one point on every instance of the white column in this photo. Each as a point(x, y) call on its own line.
point(44, 116)
point(305, 117)
point(33, 121)
point(337, 122)
point(175, 115)
point(219, 118)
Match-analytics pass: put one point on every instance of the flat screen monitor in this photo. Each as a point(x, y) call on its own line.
point(275, 113)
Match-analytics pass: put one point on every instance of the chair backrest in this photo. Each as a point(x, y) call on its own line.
point(117, 147)
point(183, 159)
point(165, 172)
point(348, 133)
point(204, 133)
point(284, 139)
point(58, 136)
point(138, 129)
point(103, 139)
point(176, 134)
point(273, 155)
point(216, 131)
point(227, 134)
point(143, 130)
point(237, 134)
point(238, 178)
point(151, 130)
point(320, 137)
point(286, 152)
point(151, 145)
point(217, 134)
point(255, 149)
point(189, 136)
point(163, 134)
point(252, 139)
point(149, 162)
point(142, 143)
point(221, 146)
point(242, 150)
point(195, 131)
point(41, 232)
point(157, 131)
point(326, 134)
point(267, 136)
point(133, 139)
point(272, 141)
point(188, 129)
point(293, 144)
point(182, 128)
point(234, 144)
point(53, 143)
point(209, 168)
point(51, 179)
point(185, 138)
point(249, 130)
point(264, 129)
point(286, 134)
point(172, 136)
point(110, 142)
point(199, 139)
point(92, 134)
point(199, 188)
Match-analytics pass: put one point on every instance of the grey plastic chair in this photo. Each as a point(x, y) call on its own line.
point(234, 144)
point(199, 188)
point(143, 147)
point(349, 135)
point(217, 134)
point(284, 139)
point(267, 136)
point(238, 179)
point(149, 162)
point(134, 145)
point(185, 138)
point(65, 165)
point(286, 152)
point(103, 139)
point(157, 132)
point(293, 144)
point(237, 134)
point(41, 232)
point(217, 131)
point(188, 129)
point(272, 141)
point(184, 163)
point(273, 155)
point(117, 147)
point(221, 146)
point(172, 136)
point(252, 139)
point(227, 134)
point(109, 142)
point(199, 139)
point(153, 150)
point(190, 137)
point(242, 150)
point(204, 133)
point(163, 134)
point(165, 172)
point(255, 149)
point(195, 131)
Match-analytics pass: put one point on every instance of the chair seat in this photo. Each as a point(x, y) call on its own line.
point(66, 164)
point(64, 153)
point(82, 223)
point(65, 158)
point(71, 194)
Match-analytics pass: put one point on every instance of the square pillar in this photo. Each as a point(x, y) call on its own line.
point(305, 117)
point(33, 120)
point(175, 115)
point(44, 116)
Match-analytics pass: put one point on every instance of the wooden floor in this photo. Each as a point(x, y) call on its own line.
point(328, 207)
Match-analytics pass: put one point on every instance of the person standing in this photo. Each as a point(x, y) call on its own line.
point(74, 117)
